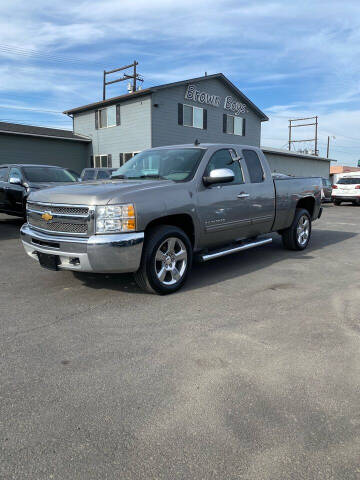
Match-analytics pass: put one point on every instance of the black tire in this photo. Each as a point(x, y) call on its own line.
point(337, 202)
point(290, 236)
point(147, 275)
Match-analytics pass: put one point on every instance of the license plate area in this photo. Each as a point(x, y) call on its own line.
point(51, 262)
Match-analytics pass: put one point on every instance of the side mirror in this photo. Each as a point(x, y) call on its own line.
point(15, 180)
point(219, 175)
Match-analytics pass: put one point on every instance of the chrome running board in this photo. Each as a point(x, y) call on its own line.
point(204, 257)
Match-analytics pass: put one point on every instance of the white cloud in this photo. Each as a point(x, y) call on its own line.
point(308, 49)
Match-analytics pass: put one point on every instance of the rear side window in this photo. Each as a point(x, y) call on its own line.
point(254, 166)
point(223, 159)
point(349, 181)
point(88, 175)
point(102, 174)
point(3, 173)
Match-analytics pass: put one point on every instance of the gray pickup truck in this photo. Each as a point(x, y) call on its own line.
point(166, 206)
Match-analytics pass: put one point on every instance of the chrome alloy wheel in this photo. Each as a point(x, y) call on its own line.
point(303, 230)
point(171, 261)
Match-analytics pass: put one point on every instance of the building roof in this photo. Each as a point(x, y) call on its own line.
point(34, 131)
point(343, 169)
point(288, 153)
point(150, 90)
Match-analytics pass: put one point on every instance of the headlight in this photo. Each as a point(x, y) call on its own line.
point(115, 218)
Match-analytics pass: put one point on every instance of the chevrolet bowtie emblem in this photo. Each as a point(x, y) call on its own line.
point(46, 216)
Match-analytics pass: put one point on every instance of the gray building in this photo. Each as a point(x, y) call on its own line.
point(210, 109)
point(39, 145)
point(296, 163)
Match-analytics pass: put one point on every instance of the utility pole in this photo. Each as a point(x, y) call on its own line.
point(328, 147)
point(315, 124)
point(135, 77)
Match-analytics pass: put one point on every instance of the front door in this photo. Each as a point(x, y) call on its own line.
point(14, 192)
point(223, 215)
point(3, 185)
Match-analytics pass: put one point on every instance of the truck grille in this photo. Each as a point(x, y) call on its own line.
point(59, 209)
point(66, 219)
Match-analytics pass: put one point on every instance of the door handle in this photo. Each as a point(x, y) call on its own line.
point(243, 195)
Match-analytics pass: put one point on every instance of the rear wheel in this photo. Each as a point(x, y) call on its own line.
point(297, 236)
point(337, 202)
point(166, 260)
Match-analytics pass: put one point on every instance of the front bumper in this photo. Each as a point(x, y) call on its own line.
point(113, 253)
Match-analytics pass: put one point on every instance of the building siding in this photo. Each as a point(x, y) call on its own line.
point(298, 166)
point(45, 151)
point(165, 128)
point(132, 135)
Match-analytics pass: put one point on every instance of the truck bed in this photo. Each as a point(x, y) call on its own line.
point(288, 191)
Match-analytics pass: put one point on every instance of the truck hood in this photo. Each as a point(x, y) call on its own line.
point(40, 185)
point(94, 193)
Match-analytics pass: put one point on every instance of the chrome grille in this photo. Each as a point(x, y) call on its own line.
point(59, 209)
point(66, 219)
point(59, 226)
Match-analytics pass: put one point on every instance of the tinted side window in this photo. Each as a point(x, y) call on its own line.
point(254, 166)
point(223, 159)
point(3, 173)
point(102, 174)
point(88, 175)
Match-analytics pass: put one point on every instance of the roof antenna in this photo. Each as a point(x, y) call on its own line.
point(196, 142)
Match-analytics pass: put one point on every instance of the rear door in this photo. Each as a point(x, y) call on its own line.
point(258, 191)
point(223, 215)
point(3, 185)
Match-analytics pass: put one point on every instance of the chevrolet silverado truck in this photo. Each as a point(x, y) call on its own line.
point(166, 206)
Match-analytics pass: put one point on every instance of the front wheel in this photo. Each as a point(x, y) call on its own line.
point(166, 260)
point(337, 202)
point(297, 236)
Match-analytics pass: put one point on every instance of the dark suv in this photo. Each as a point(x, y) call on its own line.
point(17, 181)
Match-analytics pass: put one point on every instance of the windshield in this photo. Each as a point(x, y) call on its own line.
point(177, 164)
point(349, 181)
point(48, 174)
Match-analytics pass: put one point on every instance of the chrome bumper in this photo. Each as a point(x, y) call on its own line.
point(113, 253)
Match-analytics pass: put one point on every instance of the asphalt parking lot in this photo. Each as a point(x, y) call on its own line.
point(250, 372)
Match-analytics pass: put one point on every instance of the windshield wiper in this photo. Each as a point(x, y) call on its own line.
point(153, 176)
point(141, 177)
point(125, 177)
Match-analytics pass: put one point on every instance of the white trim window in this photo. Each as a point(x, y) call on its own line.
point(101, 161)
point(234, 125)
point(191, 116)
point(107, 117)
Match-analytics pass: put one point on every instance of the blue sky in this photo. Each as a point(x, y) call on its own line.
point(292, 59)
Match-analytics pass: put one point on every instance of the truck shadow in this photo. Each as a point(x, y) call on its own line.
point(10, 227)
point(250, 261)
point(226, 268)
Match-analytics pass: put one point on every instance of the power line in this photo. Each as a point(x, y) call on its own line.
point(46, 55)
point(31, 109)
